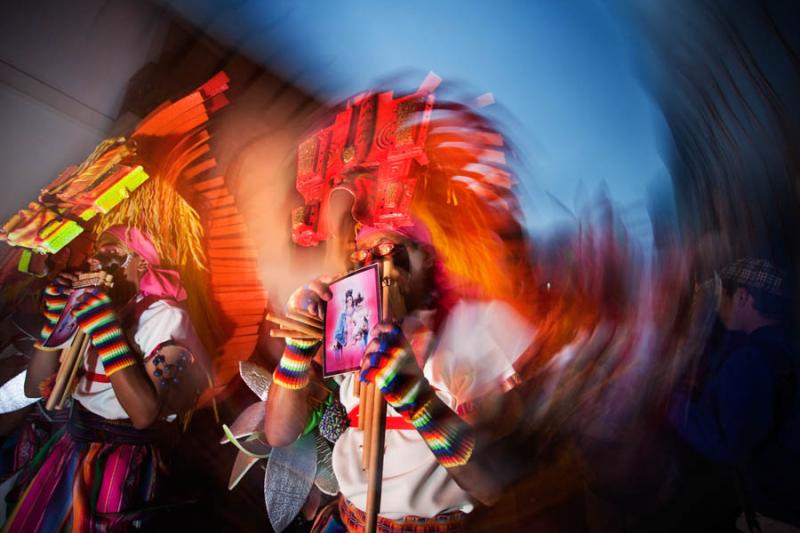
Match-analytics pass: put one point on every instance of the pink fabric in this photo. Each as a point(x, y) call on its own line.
point(112, 493)
point(60, 495)
point(161, 282)
point(416, 232)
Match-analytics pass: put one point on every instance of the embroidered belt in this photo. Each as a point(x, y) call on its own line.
point(354, 520)
point(85, 426)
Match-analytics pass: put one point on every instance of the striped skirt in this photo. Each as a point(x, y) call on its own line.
point(94, 475)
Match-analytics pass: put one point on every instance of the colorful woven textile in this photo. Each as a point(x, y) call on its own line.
point(84, 486)
point(450, 439)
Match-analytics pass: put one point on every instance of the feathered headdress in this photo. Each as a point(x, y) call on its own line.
point(195, 226)
point(412, 159)
point(159, 180)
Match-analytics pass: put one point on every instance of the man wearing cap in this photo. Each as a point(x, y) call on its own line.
point(744, 413)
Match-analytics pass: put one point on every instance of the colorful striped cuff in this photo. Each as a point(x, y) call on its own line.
point(53, 307)
point(450, 439)
point(56, 302)
point(113, 365)
point(54, 289)
point(99, 321)
point(293, 368)
point(114, 353)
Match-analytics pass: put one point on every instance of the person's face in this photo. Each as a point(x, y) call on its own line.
point(410, 264)
point(113, 256)
point(348, 302)
point(733, 309)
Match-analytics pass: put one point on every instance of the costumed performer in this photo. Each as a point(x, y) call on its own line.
point(145, 365)
point(447, 357)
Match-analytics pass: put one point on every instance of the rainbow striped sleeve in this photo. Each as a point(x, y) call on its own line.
point(54, 304)
point(293, 368)
point(450, 439)
point(98, 319)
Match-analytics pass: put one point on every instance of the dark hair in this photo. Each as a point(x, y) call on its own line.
point(769, 305)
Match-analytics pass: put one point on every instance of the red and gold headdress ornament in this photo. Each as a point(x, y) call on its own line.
point(375, 148)
point(412, 160)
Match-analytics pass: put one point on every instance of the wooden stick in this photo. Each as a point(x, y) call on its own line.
point(71, 382)
point(365, 418)
point(283, 333)
point(376, 451)
point(65, 370)
point(314, 322)
point(378, 422)
point(294, 325)
point(306, 314)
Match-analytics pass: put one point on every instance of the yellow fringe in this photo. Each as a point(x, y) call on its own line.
point(174, 226)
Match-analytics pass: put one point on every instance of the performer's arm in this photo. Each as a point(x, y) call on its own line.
point(390, 363)
point(134, 390)
point(43, 364)
point(295, 381)
point(459, 448)
point(137, 395)
point(289, 402)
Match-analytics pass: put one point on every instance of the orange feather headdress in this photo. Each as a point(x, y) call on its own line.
point(412, 159)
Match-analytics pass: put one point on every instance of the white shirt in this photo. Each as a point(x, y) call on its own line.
point(479, 342)
point(12, 394)
point(162, 321)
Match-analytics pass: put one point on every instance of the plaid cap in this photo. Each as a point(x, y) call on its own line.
point(755, 274)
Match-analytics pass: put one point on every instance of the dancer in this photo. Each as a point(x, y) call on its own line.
point(444, 362)
point(145, 366)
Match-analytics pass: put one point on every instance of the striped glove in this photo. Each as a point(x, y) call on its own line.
point(54, 298)
point(394, 369)
point(97, 318)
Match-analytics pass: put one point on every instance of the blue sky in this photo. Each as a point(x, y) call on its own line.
point(561, 71)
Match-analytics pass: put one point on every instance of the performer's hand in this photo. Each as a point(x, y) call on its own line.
point(293, 368)
point(309, 297)
point(54, 300)
point(389, 362)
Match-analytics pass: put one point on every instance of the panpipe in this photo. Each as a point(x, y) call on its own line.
point(375, 429)
point(72, 357)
